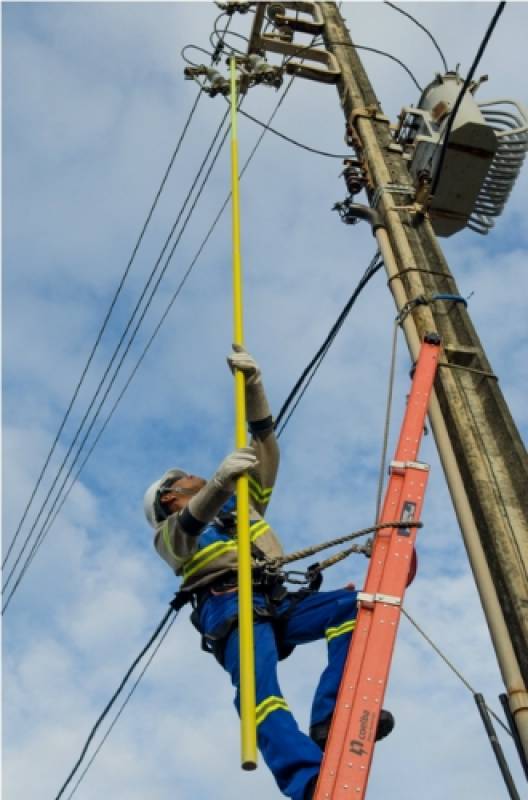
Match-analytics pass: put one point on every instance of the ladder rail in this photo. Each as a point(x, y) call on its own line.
point(350, 747)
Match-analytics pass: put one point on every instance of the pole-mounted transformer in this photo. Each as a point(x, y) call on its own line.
point(484, 155)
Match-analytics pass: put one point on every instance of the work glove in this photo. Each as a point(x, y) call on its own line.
point(233, 466)
point(242, 360)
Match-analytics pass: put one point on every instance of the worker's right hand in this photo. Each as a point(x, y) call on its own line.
point(233, 466)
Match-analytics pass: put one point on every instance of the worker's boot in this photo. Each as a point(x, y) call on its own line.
point(319, 732)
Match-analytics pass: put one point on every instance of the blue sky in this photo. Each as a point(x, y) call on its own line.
point(93, 103)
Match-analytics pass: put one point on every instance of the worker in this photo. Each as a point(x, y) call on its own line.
point(195, 526)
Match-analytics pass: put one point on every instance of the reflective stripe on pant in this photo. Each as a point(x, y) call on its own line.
point(292, 756)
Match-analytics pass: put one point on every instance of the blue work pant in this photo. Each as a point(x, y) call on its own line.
point(293, 758)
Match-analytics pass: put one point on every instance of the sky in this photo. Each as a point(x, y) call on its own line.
point(94, 100)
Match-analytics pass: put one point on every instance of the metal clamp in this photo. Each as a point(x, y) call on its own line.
point(398, 467)
point(369, 599)
point(367, 112)
point(391, 188)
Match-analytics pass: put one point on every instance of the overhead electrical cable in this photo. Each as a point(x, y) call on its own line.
point(293, 141)
point(49, 522)
point(381, 53)
point(165, 619)
point(123, 705)
point(357, 47)
point(114, 697)
point(374, 266)
point(423, 28)
point(103, 326)
point(465, 87)
point(194, 47)
point(309, 371)
point(116, 371)
point(165, 313)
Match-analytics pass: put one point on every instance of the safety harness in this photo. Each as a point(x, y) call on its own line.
point(269, 579)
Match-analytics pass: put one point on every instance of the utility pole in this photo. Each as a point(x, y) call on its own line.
point(482, 453)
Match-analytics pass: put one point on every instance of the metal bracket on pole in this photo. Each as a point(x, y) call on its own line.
point(281, 41)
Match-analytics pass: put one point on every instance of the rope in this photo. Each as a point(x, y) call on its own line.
point(451, 666)
point(387, 419)
point(297, 555)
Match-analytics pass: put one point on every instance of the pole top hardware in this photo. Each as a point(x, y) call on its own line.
point(251, 70)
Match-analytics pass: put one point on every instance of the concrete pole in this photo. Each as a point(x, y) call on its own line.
point(482, 454)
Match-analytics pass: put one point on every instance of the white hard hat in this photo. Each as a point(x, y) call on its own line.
point(152, 507)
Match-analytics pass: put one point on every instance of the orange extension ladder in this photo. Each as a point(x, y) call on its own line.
point(350, 746)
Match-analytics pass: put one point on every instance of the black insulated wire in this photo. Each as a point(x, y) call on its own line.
point(112, 700)
point(293, 141)
point(41, 533)
point(103, 327)
point(47, 525)
point(305, 377)
point(381, 53)
point(160, 627)
point(423, 28)
point(465, 87)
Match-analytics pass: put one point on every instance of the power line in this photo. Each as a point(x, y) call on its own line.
point(103, 327)
point(122, 707)
point(114, 697)
point(162, 320)
point(48, 523)
point(371, 270)
point(293, 141)
point(381, 53)
point(423, 28)
point(465, 87)
point(310, 370)
point(160, 627)
point(116, 371)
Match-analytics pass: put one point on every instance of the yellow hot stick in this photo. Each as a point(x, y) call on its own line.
point(248, 724)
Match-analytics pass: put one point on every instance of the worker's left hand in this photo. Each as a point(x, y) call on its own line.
point(242, 360)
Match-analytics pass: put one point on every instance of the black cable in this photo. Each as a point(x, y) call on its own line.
point(452, 116)
point(103, 327)
point(221, 37)
point(44, 530)
point(40, 535)
point(219, 47)
point(122, 708)
point(357, 47)
point(423, 28)
point(114, 697)
point(165, 313)
point(381, 53)
point(194, 47)
point(167, 310)
point(392, 58)
point(293, 141)
point(315, 362)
